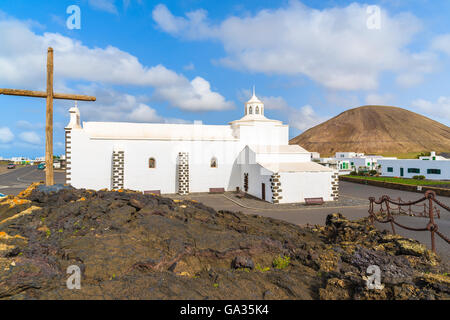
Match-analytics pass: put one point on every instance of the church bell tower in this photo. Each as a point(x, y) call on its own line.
point(254, 106)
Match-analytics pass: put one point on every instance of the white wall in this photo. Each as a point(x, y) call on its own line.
point(264, 134)
point(423, 165)
point(283, 157)
point(297, 186)
point(92, 161)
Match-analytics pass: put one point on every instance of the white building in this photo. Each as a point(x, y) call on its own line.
point(347, 162)
point(432, 167)
point(250, 154)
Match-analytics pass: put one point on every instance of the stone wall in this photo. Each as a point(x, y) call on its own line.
point(183, 173)
point(335, 186)
point(68, 156)
point(275, 185)
point(118, 164)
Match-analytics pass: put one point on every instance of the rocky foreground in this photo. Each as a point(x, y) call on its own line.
point(134, 246)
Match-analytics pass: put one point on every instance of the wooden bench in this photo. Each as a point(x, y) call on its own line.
point(309, 201)
point(240, 195)
point(157, 192)
point(216, 190)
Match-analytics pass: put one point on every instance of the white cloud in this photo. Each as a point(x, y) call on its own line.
point(6, 135)
point(23, 54)
point(379, 99)
point(331, 46)
point(30, 137)
point(24, 124)
point(300, 118)
point(439, 109)
point(442, 43)
point(305, 118)
point(189, 67)
point(112, 105)
point(275, 103)
point(104, 5)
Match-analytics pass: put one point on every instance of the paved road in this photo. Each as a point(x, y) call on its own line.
point(15, 180)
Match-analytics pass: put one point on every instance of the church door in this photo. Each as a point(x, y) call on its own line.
point(263, 191)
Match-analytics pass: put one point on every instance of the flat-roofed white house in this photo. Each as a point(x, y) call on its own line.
point(347, 162)
point(251, 154)
point(432, 167)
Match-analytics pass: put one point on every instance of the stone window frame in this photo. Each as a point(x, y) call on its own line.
point(150, 163)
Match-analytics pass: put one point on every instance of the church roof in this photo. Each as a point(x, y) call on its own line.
point(254, 99)
point(274, 149)
point(157, 131)
point(295, 167)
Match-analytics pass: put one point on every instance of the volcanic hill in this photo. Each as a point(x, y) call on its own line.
point(376, 129)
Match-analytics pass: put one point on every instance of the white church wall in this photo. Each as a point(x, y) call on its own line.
point(95, 172)
point(264, 135)
point(257, 175)
point(297, 186)
point(226, 174)
point(91, 162)
point(282, 157)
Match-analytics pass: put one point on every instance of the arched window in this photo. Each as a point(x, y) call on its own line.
point(257, 110)
point(214, 162)
point(152, 163)
point(250, 110)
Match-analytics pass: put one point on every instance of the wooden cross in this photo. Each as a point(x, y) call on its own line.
point(49, 95)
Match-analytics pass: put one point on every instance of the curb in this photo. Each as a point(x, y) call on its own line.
point(291, 209)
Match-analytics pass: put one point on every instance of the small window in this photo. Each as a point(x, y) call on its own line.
point(413, 170)
point(390, 169)
point(214, 163)
point(250, 110)
point(434, 171)
point(152, 163)
point(257, 110)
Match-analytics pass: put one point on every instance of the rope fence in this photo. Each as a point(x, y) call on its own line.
point(430, 209)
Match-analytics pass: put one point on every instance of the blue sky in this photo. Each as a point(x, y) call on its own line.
point(180, 61)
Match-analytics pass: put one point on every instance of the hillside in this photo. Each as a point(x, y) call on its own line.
point(376, 129)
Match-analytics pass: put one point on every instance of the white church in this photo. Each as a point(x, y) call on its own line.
point(251, 154)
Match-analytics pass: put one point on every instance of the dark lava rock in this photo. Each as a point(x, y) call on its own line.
point(134, 246)
point(242, 262)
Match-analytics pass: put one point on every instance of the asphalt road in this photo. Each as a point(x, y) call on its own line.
point(16, 180)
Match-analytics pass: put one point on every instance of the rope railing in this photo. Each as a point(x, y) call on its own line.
point(431, 211)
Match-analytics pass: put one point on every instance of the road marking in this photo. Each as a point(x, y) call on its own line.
point(26, 174)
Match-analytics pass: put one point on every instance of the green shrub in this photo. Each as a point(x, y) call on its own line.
point(419, 177)
point(281, 262)
point(353, 173)
point(373, 172)
point(261, 269)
